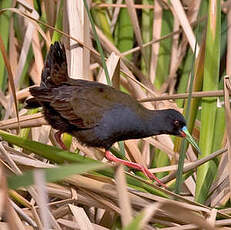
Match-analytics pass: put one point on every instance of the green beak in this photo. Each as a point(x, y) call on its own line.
point(190, 139)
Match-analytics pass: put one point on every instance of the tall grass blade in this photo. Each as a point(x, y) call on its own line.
point(53, 174)
point(205, 173)
point(4, 31)
point(97, 42)
point(124, 33)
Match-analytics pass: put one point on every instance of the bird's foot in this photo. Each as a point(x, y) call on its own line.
point(133, 165)
point(59, 140)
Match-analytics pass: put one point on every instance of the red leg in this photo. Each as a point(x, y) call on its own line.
point(59, 140)
point(133, 165)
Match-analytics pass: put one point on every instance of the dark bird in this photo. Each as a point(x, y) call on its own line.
point(96, 114)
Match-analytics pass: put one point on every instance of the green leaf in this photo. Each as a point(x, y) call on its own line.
point(124, 33)
point(53, 174)
point(147, 16)
point(97, 42)
point(163, 65)
point(59, 23)
point(49, 152)
point(209, 105)
point(4, 31)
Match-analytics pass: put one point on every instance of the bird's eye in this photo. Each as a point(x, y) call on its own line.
point(176, 123)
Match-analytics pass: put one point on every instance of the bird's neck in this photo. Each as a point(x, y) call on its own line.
point(154, 122)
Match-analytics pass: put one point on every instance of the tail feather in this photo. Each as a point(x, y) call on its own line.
point(31, 103)
point(55, 68)
point(54, 74)
point(40, 95)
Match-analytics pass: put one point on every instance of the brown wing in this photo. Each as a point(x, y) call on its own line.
point(81, 102)
point(84, 103)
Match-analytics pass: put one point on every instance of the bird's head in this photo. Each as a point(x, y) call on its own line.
point(176, 125)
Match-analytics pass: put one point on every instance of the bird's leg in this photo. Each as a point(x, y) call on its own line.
point(133, 165)
point(59, 140)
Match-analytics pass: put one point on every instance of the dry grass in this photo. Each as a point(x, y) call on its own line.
point(93, 200)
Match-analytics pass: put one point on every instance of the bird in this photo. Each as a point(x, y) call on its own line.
point(98, 115)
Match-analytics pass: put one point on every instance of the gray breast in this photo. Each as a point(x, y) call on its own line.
point(119, 123)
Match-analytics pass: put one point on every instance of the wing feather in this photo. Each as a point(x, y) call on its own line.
point(82, 103)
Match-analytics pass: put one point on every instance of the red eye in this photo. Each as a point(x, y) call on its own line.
point(177, 123)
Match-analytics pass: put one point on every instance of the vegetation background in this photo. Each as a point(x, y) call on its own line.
point(167, 54)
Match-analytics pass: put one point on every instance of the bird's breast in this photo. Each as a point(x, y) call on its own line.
point(120, 123)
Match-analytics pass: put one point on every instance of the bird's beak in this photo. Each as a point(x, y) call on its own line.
point(185, 133)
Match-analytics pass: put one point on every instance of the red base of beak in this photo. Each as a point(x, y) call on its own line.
point(182, 134)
